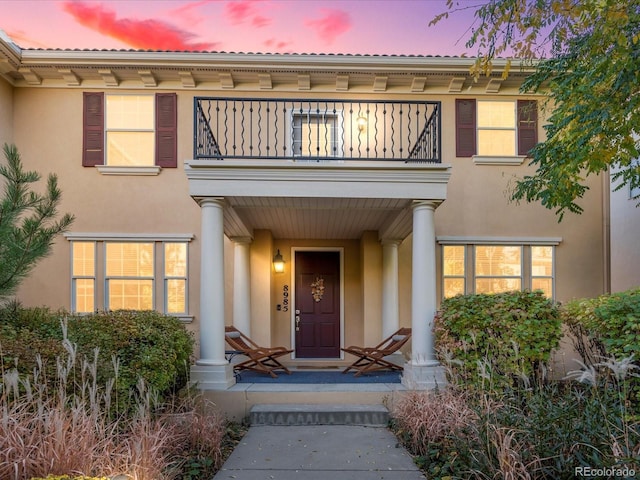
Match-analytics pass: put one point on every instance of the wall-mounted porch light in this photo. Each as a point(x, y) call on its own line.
point(278, 262)
point(361, 122)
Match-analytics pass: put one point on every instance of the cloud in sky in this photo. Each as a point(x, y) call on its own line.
point(330, 25)
point(188, 12)
point(240, 11)
point(142, 34)
point(273, 44)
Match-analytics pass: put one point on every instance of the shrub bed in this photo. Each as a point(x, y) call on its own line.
point(505, 338)
point(488, 424)
point(127, 345)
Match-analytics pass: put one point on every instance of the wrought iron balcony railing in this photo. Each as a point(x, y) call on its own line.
point(268, 128)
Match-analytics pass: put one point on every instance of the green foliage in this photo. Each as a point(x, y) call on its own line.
point(28, 224)
point(130, 345)
point(591, 77)
point(542, 433)
point(607, 327)
point(502, 338)
point(610, 323)
point(195, 468)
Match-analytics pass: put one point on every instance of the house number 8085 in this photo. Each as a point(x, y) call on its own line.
point(285, 298)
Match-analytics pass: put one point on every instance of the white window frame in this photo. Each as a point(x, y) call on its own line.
point(476, 276)
point(108, 278)
point(75, 278)
point(101, 293)
point(142, 169)
point(479, 128)
point(338, 129)
point(166, 278)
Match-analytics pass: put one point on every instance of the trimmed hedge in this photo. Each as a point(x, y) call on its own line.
point(130, 345)
point(497, 340)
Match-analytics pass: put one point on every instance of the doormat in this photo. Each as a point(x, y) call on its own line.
point(301, 377)
point(312, 367)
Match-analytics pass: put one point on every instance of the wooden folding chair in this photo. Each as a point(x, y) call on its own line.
point(261, 359)
point(371, 359)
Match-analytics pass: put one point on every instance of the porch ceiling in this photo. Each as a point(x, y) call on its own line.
point(318, 218)
point(317, 200)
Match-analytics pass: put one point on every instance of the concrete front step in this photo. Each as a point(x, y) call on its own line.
point(319, 414)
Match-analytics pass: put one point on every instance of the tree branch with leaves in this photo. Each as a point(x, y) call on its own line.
point(586, 60)
point(28, 224)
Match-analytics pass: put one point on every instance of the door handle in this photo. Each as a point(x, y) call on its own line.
point(297, 323)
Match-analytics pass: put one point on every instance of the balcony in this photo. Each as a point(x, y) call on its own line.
point(316, 130)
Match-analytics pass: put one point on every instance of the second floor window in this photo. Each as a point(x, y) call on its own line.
point(495, 128)
point(129, 130)
point(315, 134)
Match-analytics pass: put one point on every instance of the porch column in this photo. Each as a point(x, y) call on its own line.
point(390, 299)
point(242, 284)
point(424, 370)
point(212, 371)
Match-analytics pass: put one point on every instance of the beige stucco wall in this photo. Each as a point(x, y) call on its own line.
point(478, 205)
point(6, 113)
point(46, 126)
point(625, 241)
point(48, 132)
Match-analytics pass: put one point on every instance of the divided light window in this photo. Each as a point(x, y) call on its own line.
point(134, 272)
point(130, 130)
point(129, 276)
point(496, 128)
point(83, 276)
point(315, 134)
point(497, 268)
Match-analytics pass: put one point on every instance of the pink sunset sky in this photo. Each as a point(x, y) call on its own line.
point(388, 27)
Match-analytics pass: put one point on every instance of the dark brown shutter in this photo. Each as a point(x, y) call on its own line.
point(166, 130)
point(527, 126)
point(93, 129)
point(465, 128)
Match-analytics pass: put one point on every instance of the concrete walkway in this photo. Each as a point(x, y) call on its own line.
point(319, 452)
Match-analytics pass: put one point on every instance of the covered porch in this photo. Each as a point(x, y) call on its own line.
point(361, 211)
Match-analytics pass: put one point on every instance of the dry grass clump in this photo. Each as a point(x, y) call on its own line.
point(71, 430)
point(426, 417)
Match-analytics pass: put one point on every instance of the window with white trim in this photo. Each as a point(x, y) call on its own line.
point(83, 276)
point(129, 276)
point(495, 268)
point(130, 130)
point(315, 134)
point(144, 274)
point(496, 128)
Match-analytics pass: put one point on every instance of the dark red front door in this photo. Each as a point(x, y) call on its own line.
point(317, 309)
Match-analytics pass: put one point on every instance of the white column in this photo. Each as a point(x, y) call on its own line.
point(423, 284)
point(242, 284)
point(390, 299)
point(212, 344)
point(424, 371)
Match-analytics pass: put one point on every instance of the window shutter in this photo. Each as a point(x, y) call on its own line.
point(166, 130)
point(527, 126)
point(93, 129)
point(465, 128)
